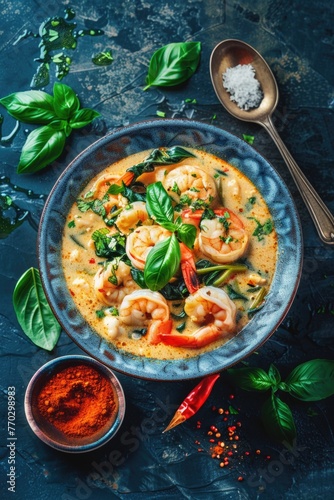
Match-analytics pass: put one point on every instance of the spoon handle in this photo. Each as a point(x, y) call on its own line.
point(322, 217)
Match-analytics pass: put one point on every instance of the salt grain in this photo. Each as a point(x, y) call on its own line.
point(244, 88)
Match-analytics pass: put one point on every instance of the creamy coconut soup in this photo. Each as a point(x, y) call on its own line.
point(169, 253)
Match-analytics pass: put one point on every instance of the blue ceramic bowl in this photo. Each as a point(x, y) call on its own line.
point(168, 133)
point(48, 433)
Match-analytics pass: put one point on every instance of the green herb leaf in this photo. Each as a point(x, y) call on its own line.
point(312, 381)
point(187, 234)
point(159, 206)
point(278, 420)
point(262, 229)
point(32, 106)
point(250, 378)
point(104, 58)
point(83, 117)
point(173, 64)
point(33, 311)
point(42, 147)
point(65, 100)
point(162, 263)
point(274, 375)
point(248, 138)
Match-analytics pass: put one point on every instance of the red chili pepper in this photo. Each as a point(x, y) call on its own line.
point(193, 402)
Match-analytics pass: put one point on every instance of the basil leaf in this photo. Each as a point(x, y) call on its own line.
point(83, 117)
point(274, 375)
point(162, 263)
point(278, 420)
point(33, 311)
point(187, 234)
point(41, 148)
point(159, 206)
point(250, 378)
point(66, 101)
point(312, 381)
point(32, 106)
point(173, 64)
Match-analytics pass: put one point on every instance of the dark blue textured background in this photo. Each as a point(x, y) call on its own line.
point(296, 38)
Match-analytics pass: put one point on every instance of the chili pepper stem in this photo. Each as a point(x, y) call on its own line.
point(176, 420)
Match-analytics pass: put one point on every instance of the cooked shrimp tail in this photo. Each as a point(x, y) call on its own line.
point(126, 178)
point(202, 337)
point(158, 328)
point(188, 269)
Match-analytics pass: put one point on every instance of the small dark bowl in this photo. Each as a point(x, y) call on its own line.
point(52, 436)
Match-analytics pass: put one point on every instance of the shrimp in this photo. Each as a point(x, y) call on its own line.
point(188, 269)
point(132, 216)
point(188, 185)
point(210, 307)
point(113, 282)
point(141, 241)
point(223, 237)
point(145, 308)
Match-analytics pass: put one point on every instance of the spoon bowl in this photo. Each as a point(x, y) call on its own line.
point(230, 53)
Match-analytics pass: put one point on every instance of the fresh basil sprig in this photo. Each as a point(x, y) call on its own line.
point(164, 259)
point(59, 114)
point(173, 64)
point(33, 311)
point(310, 381)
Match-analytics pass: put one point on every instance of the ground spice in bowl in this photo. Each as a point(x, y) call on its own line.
point(78, 401)
point(74, 404)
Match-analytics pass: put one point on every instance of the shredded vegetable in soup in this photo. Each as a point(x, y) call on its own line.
point(169, 253)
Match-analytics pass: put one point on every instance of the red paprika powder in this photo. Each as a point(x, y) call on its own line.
point(79, 401)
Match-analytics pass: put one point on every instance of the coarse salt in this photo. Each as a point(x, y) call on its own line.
point(243, 87)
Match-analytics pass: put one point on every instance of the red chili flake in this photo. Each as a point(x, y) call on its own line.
point(213, 408)
point(226, 461)
point(241, 209)
point(72, 293)
point(247, 453)
point(231, 396)
point(213, 428)
point(236, 438)
point(101, 290)
point(211, 440)
point(221, 411)
point(258, 452)
point(230, 453)
point(92, 261)
point(227, 412)
point(268, 457)
point(218, 435)
point(210, 433)
point(197, 442)
point(238, 424)
point(200, 449)
point(225, 419)
point(240, 478)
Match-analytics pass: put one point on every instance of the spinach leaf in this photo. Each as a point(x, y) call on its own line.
point(162, 263)
point(250, 378)
point(107, 246)
point(42, 147)
point(173, 64)
point(160, 157)
point(33, 311)
point(235, 294)
point(312, 381)
point(66, 101)
point(278, 420)
point(32, 106)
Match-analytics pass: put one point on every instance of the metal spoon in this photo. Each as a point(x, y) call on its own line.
point(230, 53)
